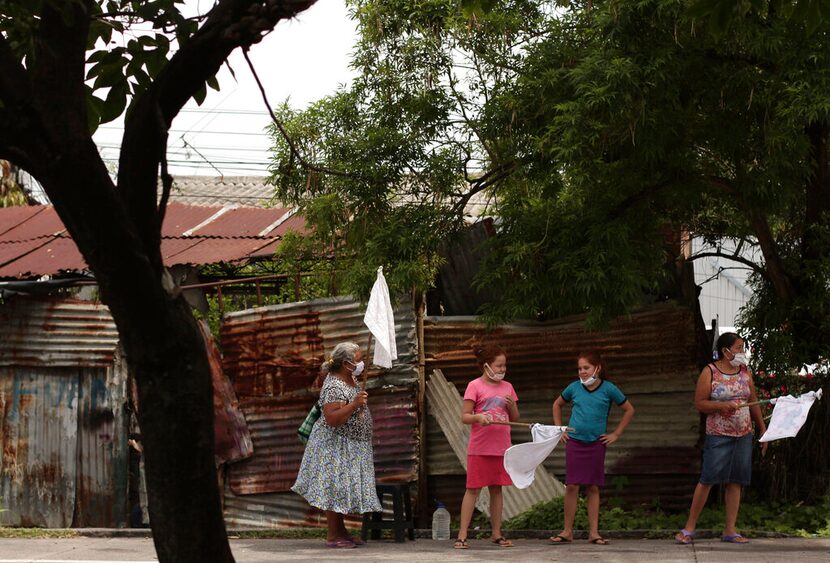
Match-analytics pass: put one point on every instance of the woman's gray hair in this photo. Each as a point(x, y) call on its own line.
point(343, 352)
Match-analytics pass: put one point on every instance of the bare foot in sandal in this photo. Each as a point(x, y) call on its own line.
point(461, 544)
point(502, 541)
point(561, 538)
point(599, 540)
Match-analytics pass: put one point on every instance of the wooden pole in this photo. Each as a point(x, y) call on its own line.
point(525, 424)
point(366, 363)
point(761, 402)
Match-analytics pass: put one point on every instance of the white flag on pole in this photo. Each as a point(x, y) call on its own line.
point(521, 460)
point(380, 320)
point(789, 415)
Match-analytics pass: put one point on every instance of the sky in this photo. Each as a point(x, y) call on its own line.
point(302, 60)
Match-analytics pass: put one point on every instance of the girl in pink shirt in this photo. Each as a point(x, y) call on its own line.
point(488, 399)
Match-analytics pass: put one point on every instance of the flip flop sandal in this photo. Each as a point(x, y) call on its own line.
point(461, 544)
point(502, 542)
point(560, 539)
point(356, 540)
point(340, 544)
point(734, 538)
point(599, 541)
point(684, 537)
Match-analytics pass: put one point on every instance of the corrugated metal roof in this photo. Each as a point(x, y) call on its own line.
point(211, 251)
point(661, 442)
point(35, 243)
point(43, 223)
point(273, 354)
point(243, 222)
point(58, 255)
point(41, 332)
point(179, 218)
point(222, 190)
point(17, 215)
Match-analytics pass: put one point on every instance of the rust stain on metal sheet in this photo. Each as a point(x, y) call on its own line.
point(541, 361)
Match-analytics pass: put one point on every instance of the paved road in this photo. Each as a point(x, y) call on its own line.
point(100, 550)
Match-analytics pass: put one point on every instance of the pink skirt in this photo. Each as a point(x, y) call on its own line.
point(584, 463)
point(486, 470)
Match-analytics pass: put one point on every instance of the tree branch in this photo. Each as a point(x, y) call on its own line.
point(58, 70)
point(734, 257)
point(295, 153)
point(228, 25)
point(776, 272)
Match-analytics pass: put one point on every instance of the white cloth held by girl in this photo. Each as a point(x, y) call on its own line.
point(521, 460)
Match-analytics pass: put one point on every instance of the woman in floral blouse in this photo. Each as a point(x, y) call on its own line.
point(723, 389)
point(337, 473)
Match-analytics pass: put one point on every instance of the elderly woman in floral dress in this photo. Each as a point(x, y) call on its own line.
point(337, 473)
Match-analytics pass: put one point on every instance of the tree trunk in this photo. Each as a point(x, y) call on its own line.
point(164, 352)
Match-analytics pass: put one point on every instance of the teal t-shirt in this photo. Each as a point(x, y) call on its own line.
point(589, 414)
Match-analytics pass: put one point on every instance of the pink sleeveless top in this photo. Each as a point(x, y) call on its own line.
point(729, 388)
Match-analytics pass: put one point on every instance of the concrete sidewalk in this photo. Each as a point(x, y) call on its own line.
point(110, 550)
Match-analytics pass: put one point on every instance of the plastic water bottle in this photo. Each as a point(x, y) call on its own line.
point(441, 523)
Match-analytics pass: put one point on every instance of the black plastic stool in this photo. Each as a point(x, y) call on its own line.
point(401, 512)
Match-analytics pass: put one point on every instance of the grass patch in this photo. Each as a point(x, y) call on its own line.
point(790, 519)
point(280, 533)
point(28, 533)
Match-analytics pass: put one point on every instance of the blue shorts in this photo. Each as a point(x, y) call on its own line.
point(727, 459)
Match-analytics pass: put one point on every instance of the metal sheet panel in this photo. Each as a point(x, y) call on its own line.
point(271, 351)
point(39, 425)
point(179, 217)
point(42, 332)
point(222, 190)
point(541, 362)
point(241, 222)
point(58, 255)
point(273, 355)
point(445, 404)
point(273, 423)
point(215, 250)
point(103, 452)
point(11, 251)
point(15, 216)
point(42, 221)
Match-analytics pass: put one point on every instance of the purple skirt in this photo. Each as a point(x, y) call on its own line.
point(584, 463)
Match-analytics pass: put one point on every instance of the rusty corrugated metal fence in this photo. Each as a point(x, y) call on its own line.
point(651, 355)
point(273, 356)
point(62, 427)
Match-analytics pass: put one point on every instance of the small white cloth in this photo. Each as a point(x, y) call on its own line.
point(789, 415)
point(380, 320)
point(521, 460)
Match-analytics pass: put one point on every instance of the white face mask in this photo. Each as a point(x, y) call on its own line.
point(738, 360)
point(493, 375)
point(358, 368)
point(590, 380)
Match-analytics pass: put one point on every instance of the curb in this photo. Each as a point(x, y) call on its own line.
point(291, 533)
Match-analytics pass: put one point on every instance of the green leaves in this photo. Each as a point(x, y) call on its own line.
point(721, 15)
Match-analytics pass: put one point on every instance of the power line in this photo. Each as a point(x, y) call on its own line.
point(185, 131)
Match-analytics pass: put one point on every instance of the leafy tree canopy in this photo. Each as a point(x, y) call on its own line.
point(592, 130)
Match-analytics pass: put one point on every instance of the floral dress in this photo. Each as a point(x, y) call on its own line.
point(337, 472)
